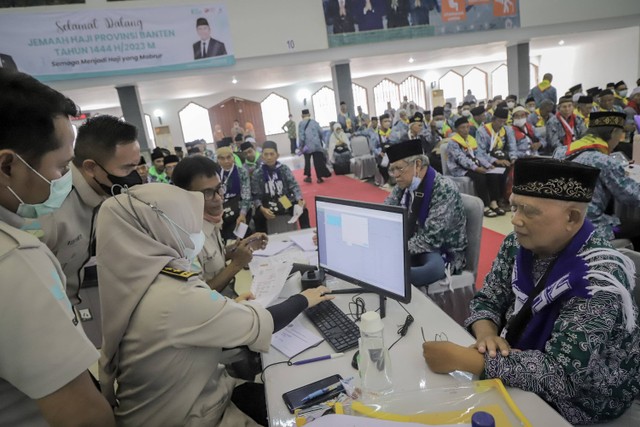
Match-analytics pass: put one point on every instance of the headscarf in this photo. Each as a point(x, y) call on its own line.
point(135, 242)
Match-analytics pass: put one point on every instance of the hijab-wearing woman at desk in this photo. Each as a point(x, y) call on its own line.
point(164, 329)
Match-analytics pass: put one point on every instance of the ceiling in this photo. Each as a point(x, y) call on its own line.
point(309, 67)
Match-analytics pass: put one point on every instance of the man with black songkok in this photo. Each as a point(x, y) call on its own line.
point(206, 47)
point(436, 215)
point(555, 315)
point(606, 130)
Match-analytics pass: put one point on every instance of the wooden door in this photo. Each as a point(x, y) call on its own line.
point(225, 112)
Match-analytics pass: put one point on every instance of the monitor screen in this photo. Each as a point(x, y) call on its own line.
point(364, 244)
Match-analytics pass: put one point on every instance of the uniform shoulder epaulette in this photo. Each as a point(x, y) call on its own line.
point(179, 274)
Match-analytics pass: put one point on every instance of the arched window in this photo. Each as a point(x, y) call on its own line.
point(275, 113)
point(451, 85)
point(360, 98)
point(324, 106)
point(383, 92)
point(413, 88)
point(150, 133)
point(533, 75)
point(500, 82)
point(476, 81)
point(195, 123)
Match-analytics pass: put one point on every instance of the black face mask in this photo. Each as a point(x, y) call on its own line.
point(118, 182)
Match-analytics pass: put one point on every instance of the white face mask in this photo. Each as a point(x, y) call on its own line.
point(439, 124)
point(197, 239)
point(511, 104)
point(466, 113)
point(531, 109)
point(519, 122)
point(59, 189)
point(623, 93)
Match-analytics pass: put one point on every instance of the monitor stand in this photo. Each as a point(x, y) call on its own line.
point(383, 299)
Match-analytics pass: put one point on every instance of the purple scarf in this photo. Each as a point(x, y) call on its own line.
point(566, 279)
point(232, 183)
point(269, 179)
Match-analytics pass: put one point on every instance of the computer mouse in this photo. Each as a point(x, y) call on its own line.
point(355, 360)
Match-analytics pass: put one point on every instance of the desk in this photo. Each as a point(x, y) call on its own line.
point(409, 369)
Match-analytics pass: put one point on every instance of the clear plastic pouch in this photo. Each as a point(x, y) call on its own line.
point(442, 406)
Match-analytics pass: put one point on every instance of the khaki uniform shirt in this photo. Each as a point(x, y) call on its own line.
point(41, 349)
point(68, 230)
point(212, 256)
point(169, 372)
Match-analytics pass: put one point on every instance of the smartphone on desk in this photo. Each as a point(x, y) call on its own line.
point(298, 398)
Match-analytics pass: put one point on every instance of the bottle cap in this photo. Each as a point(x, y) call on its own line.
point(482, 419)
point(370, 322)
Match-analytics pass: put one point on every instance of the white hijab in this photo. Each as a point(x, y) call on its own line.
point(135, 241)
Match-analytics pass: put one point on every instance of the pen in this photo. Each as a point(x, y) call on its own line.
point(317, 359)
point(321, 392)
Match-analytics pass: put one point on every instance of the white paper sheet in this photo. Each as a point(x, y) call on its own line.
point(304, 241)
point(273, 247)
point(498, 171)
point(294, 338)
point(269, 277)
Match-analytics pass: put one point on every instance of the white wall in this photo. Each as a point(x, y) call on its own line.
point(546, 12)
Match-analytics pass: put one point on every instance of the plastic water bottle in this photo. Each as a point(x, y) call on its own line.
point(374, 364)
point(482, 419)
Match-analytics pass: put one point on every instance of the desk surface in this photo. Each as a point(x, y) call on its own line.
point(409, 369)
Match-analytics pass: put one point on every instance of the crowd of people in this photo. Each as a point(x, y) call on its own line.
point(555, 315)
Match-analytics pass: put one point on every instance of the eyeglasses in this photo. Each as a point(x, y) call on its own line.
point(439, 337)
point(210, 193)
point(395, 171)
point(526, 210)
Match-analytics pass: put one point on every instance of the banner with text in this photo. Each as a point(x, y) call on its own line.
point(94, 43)
point(370, 21)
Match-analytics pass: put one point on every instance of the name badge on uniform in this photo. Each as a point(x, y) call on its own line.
point(285, 202)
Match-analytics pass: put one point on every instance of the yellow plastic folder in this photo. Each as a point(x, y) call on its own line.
point(443, 406)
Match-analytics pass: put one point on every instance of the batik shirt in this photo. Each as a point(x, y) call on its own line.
point(444, 230)
point(556, 131)
point(245, 189)
point(589, 369)
point(612, 183)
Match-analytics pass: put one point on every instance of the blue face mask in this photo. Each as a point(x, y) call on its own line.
point(415, 181)
point(58, 192)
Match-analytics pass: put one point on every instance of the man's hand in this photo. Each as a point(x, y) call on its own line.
point(487, 339)
point(443, 357)
point(536, 146)
point(257, 241)
point(241, 254)
point(301, 202)
point(505, 163)
point(241, 218)
point(267, 213)
point(247, 296)
point(480, 169)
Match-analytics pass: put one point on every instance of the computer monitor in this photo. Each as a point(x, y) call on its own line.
point(365, 244)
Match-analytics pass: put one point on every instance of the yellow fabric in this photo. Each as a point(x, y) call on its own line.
point(384, 133)
point(588, 142)
point(625, 101)
point(501, 135)
point(470, 143)
point(544, 85)
point(540, 121)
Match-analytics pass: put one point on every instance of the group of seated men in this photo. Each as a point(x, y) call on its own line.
point(554, 317)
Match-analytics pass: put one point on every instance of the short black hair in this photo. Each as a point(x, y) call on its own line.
point(98, 137)
point(28, 109)
point(191, 168)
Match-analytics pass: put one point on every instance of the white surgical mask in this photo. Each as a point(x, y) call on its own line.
point(531, 109)
point(519, 122)
point(59, 189)
point(439, 124)
point(511, 104)
point(466, 113)
point(623, 93)
point(197, 239)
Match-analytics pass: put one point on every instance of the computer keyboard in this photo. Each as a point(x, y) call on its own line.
point(340, 332)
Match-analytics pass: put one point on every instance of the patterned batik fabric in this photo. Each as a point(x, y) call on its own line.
point(444, 230)
point(613, 184)
point(589, 370)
